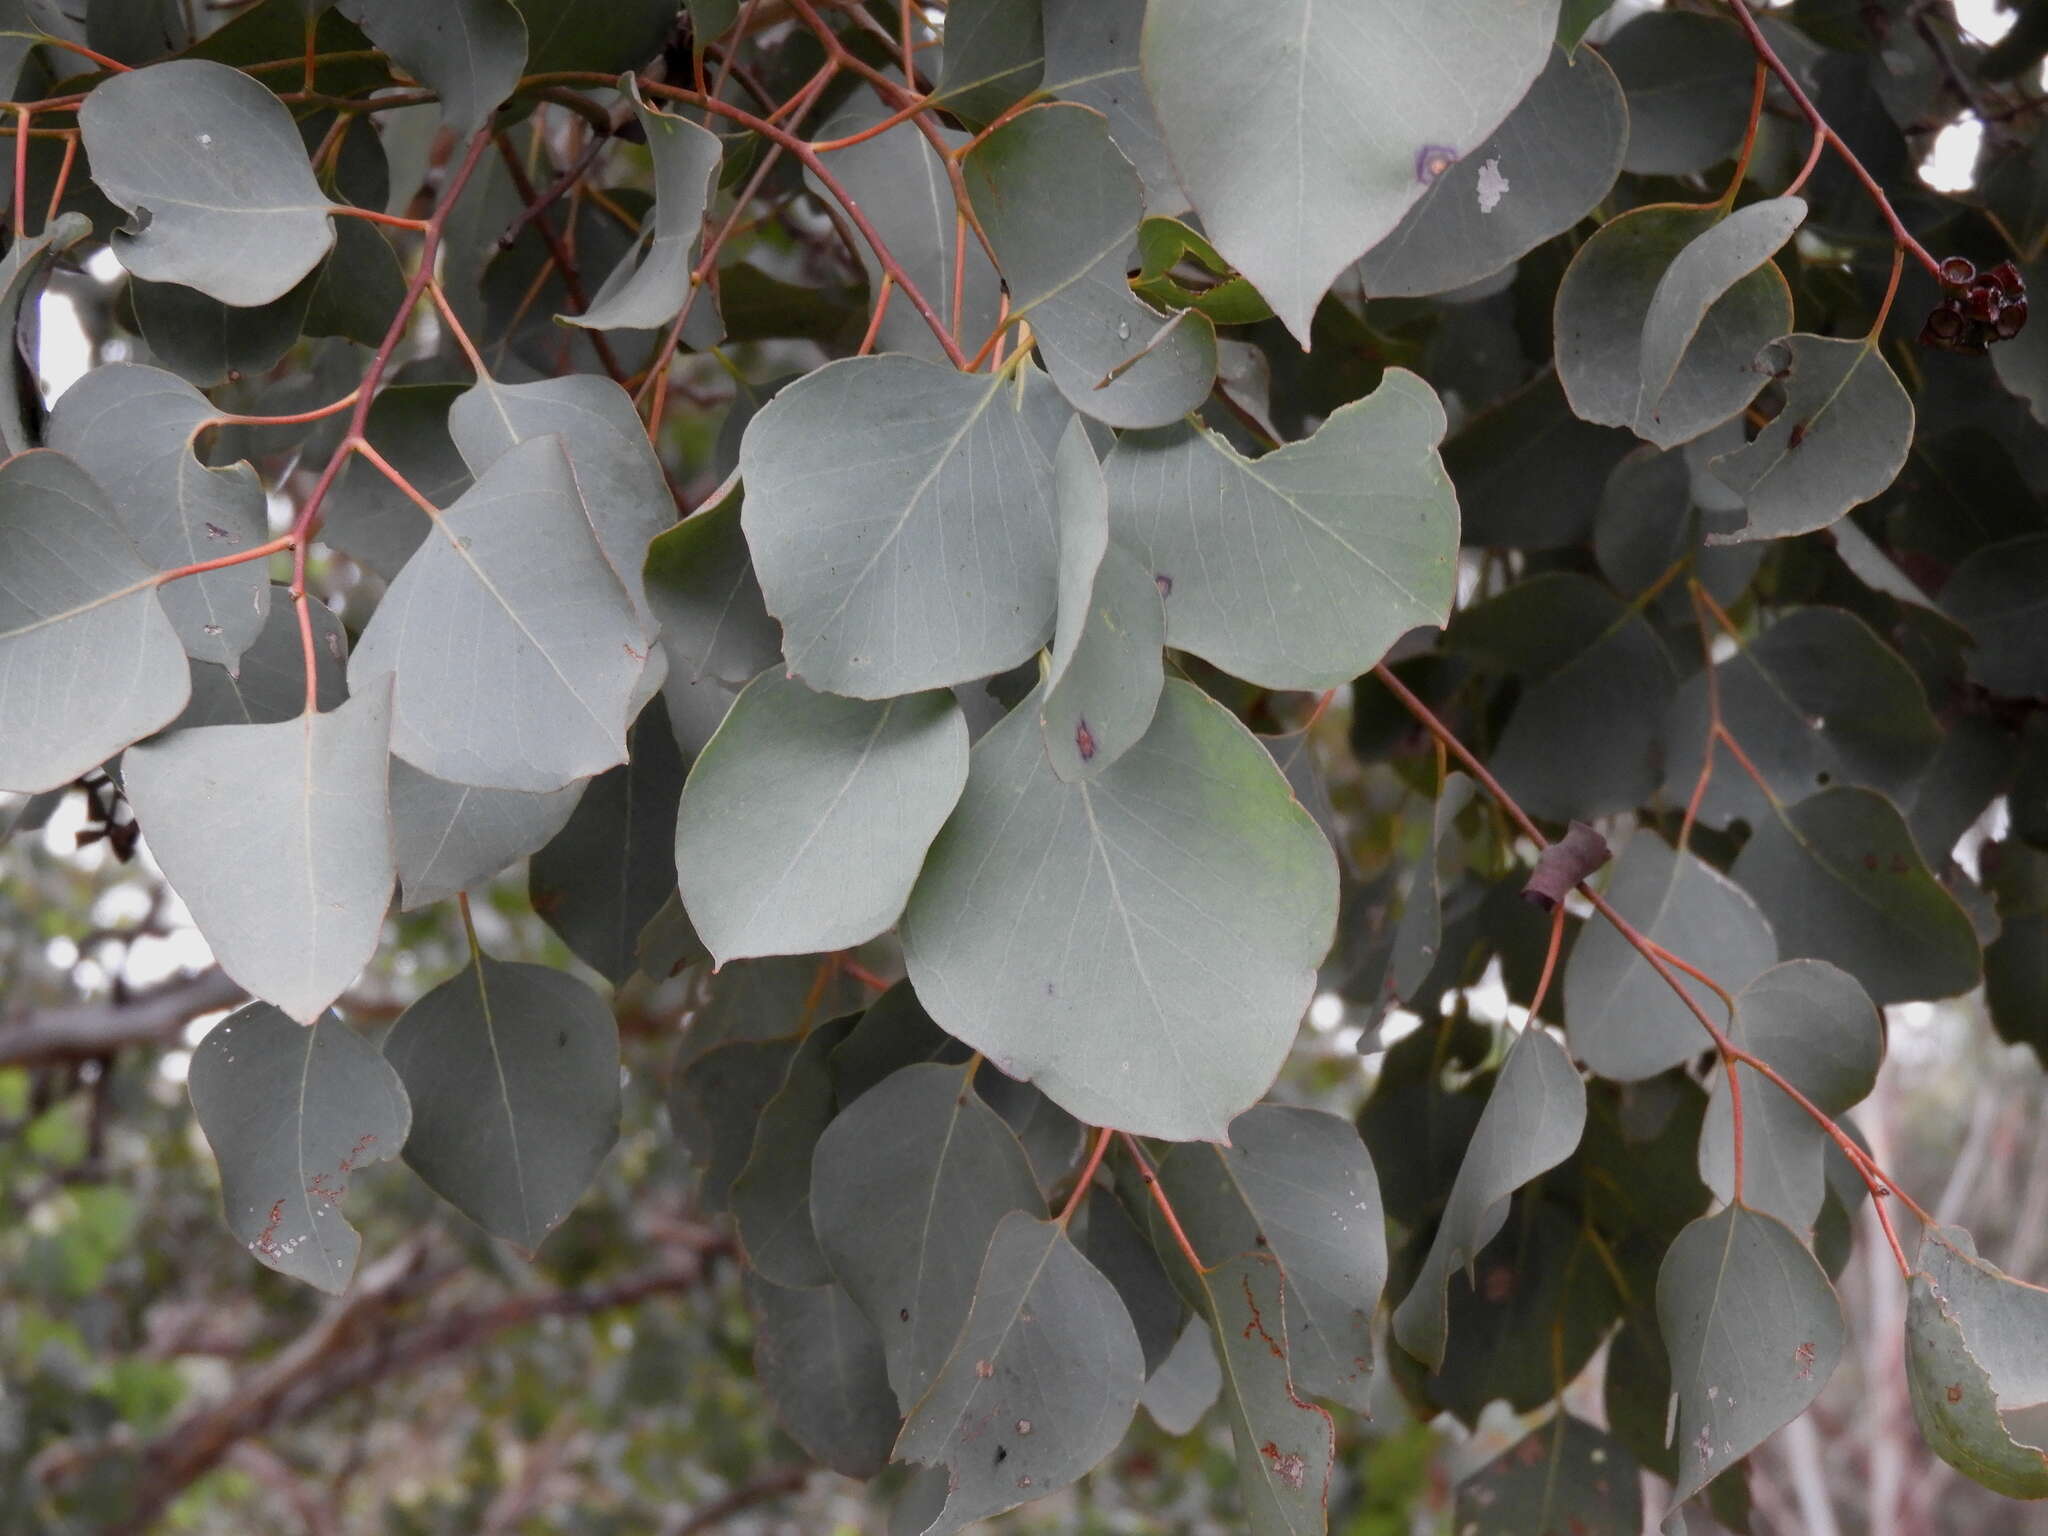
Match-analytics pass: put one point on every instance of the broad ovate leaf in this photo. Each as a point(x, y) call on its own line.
point(1565, 1476)
point(454, 837)
point(513, 1073)
point(1817, 1029)
point(1541, 171)
point(1973, 1365)
point(1060, 206)
point(1753, 1331)
point(290, 1111)
point(901, 519)
point(278, 838)
point(771, 1197)
point(1841, 438)
point(647, 293)
point(806, 819)
point(1839, 878)
point(211, 166)
point(911, 1265)
point(715, 628)
point(131, 428)
point(515, 649)
point(1604, 307)
point(1091, 57)
point(1531, 1123)
point(617, 473)
point(1299, 1184)
point(1142, 944)
point(1107, 667)
point(994, 56)
point(1711, 264)
point(820, 1364)
point(1304, 133)
point(1351, 535)
point(470, 51)
point(1040, 1386)
point(1997, 594)
point(89, 660)
point(269, 681)
point(1624, 1020)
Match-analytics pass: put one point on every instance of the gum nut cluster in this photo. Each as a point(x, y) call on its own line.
point(1978, 309)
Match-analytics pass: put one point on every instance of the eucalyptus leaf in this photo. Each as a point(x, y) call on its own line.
point(1140, 945)
point(455, 837)
point(290, 1111)
point(820, 1362)
point(1092, 57)
point(771, 1197)
point(366, 516)
point(513, 1073)
point(470, 51)
point(1562, 1476)
point(994, 57)
point(1997, 595)
point(715, 626)
point(269, 681)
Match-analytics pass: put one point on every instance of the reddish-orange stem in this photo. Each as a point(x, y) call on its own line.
point(1087, 1175)
point(395, 221)
point(1549, 960)
point(895, 119)
point(863, 975)
point(291, 419)
point(63, 179)
point(867, 342)
point(276, 546)
point(21, 175)
point(1159, 1199)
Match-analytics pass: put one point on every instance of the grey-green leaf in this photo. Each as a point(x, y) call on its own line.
point(269, 682)
point(1819, 1030)
point(1996, 594)
point(1753, 1331)
point(290, 1112)
point(206, 342)
point(771, 1198)
point(617, 474)
point(513, 1072)
point(131, 428)
point(1839, 878)
point(1102, 344)
point(470, 51)
point(1687, 77)
point(1541, 171)
point(1624, 1021)
point(366, 516)
point(1841, 438)
point(1141, 945)
point(1418, 939)
point(89, 660)
point(1603, 306)
point(911, 1264)
point(1091, 57)
point(1299, 1184)
point(22, 273)
point(1565, 1476)
point(901, 520)
point(686, 160)
point(515, 648)
point(1187, 1383)
point(212, 167)
point(607, 872)
point(1710, 264)
point(1107, 667)
point(715, 626)
point(1531, 1123)
point(1354, 560)
point(296, 913)
point(1040, 1386)
point(820, 1363)
point(1973, 1365)
point(454, 837)
point(994, 57)
point(1361, 109)
point(806, 819)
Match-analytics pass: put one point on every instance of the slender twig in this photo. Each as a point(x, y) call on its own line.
point(1159, 1199)
point(276, 546)
point(1086, 1176)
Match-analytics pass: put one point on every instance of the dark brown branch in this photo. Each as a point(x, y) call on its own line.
point(40, 1037)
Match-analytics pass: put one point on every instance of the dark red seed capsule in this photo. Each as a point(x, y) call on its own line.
point(1981, 304)
point(1958, 271)
point(2007, 277)
point(2011, 319)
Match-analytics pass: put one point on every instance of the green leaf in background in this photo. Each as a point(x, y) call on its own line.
point(1141, 945)
point(1532, 1123)
point(366, 516)
point(296, 914)
point(513, 1073)
point(644, 294)
point(1997, 595)
point(1116, 1245)
point(1973, 1365)
point(771, 1198)
point(1542, 170)
point(603, 36)
point(994, 57)
point(1841, 438)
point(1364, 110)
point(1687, 77)
point(1091, 57)
point(89, 660)
point(1040, 1386)
point(1564, 1476)
point(1839, 878)
point(912, 1265)
point(470, 51)
point(210, 165)
point(1623, 1019)
point(1110, 354)
point(1106, 672)
point(902, 524)
point(1299, 1184)
point(715, 628)
point(1355, 561)
point(715, 1102)
point(206, 342)
point(820, 1362)
point(1529, 473)
point(1182, 1390)
point(22, 272)
point(268, 684)
point(132, 430)
point(1818, 1029)
point(1754, 1332)
point(605, 874)
point(1816, 699)
point(290, 1111)
point(1419, 938)
point(1603, 309)
point(515, 649)
point(1166, 244)
point(807, 817)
